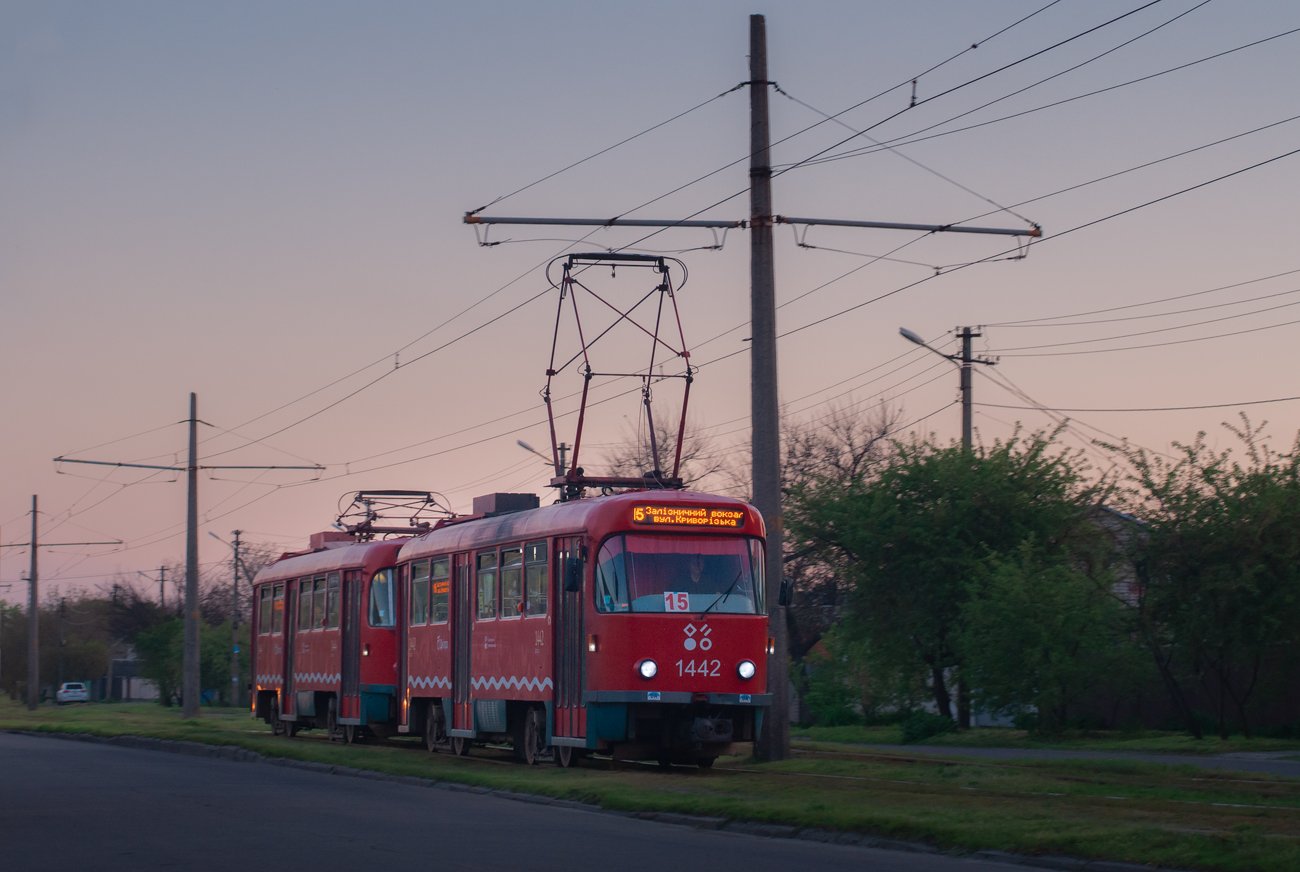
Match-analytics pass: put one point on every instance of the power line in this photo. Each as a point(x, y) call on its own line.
point(914, 137)
point(1153, 331)
point(1048, 238)
point(1037, 322)
point(608, 149)
point(1158, 408)
point(1154, 344)
point(968, 83)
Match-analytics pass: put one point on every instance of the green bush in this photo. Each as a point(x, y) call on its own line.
point(921, 725)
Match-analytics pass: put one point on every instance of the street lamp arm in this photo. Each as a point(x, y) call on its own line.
point(913, 337)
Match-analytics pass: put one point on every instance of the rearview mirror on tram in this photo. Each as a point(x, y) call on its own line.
point(785, 595)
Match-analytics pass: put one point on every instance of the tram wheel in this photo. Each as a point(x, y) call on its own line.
point(459, 746)
point(349, 733)
point(530, 736)
point(434, 734)
point(705, 762)
point(332, 720)
point(565, 756)
point(277, 725)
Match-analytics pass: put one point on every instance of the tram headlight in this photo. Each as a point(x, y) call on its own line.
point(647, 669)
point(746, 669)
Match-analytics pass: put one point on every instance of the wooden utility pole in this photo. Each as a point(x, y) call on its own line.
point(33, 613)
point(765, 410)
point(190, 678)
point(33, 625)
point(190, 669)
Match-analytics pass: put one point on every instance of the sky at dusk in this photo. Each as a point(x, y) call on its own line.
point(262, 203)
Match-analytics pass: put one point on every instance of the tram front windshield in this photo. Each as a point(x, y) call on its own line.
point(641, 572)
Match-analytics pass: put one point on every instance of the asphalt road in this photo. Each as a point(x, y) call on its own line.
point(68, 805)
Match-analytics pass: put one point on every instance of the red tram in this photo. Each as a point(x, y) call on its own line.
point(325, 635)
point(632, 624)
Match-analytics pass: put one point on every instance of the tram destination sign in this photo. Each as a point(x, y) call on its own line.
point(652, 515)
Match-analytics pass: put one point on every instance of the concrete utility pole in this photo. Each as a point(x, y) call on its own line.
point(190, 678)
point(765, 411)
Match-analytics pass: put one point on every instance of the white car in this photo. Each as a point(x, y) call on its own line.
point(72, 691)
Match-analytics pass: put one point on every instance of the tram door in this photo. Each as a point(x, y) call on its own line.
point(462, 717)
point(570, 716)
point(288, 703)
point(402, 577)
point(350, 705)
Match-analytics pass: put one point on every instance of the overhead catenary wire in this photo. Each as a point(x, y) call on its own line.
point(916, 137)
point(1051, 237)
point(998, 206)
point(1042, 322)
point(387, 373)
point(953, 89)
point(888, 145)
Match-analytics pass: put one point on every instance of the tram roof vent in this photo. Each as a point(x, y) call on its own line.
point(326, 538)
point(503, 504)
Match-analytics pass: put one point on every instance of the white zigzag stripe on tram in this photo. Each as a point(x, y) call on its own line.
point(424, 683)
point(318, 677)
point(511, 683)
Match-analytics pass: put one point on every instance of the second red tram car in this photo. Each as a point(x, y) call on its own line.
point(324, 644)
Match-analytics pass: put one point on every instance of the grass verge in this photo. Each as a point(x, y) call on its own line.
point(1161, 815)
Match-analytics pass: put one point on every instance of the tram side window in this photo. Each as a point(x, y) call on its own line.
point(487, 586)
point(439, 590)
point(332, 601)
point(277, 610)
point(381, 599)
point(318, 599)
point(537, 578)
point(419, 592)
point(304, 604)
point(264, 611)
point(512, 582)
point(611, 577)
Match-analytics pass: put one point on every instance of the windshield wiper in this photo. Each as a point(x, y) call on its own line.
point(735, 581)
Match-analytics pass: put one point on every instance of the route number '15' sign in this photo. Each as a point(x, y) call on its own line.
point(677, 601)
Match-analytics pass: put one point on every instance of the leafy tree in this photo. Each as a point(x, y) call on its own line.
point(843, 446)
point(13, 649)
point(161, 651)
point(922, 539)
point(1042, 634)
point(1222, 563)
